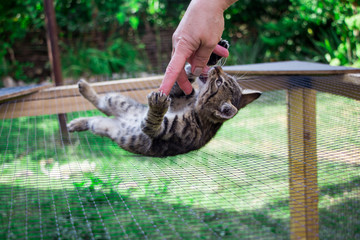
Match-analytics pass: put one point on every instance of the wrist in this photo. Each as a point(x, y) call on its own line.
point(228, 3)
point(217, 4)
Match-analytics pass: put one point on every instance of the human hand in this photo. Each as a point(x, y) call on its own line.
point(194, 40)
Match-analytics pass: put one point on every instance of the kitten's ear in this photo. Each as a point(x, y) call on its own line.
point(248, 96)
point(227, 111)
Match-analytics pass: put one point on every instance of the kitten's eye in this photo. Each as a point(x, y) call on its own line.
point(218, 82)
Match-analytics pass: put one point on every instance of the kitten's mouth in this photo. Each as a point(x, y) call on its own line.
point(210, 71)
point(203, 78)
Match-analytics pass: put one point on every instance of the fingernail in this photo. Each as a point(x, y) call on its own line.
point(197, 71)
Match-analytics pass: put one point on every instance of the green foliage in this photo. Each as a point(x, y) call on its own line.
point(244, 22)
point(259, 31)
point(246, 52)
point(17, 18)
point(319, 30)
point(15, 69)
point(119, 56)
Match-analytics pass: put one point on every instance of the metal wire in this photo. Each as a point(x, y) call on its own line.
point(239, 180)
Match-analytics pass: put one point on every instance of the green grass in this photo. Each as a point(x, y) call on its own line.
point(236, 187)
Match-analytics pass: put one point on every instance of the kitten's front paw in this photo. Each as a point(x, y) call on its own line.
point(214, 58)
point(77, 125)
point(158, 101)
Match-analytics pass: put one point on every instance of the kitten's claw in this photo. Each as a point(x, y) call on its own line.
point(158, 101)
point(88, 92)
point(78, 125)
point(224, 43)
point(82, 84)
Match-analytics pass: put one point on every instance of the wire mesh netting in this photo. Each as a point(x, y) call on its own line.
point(236, 187)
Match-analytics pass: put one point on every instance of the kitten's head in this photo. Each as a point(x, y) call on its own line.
point(220, 96)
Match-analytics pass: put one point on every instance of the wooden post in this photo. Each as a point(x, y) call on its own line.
point(54, 57)
point(304, 223)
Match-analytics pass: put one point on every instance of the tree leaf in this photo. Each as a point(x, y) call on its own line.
point(121, 17)
point(134, 22)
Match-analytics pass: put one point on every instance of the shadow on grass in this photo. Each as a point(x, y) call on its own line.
point(340, 188)
point(341, 220)
point(86, 213)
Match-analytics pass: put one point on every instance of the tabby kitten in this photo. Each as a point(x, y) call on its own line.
point(169, 125)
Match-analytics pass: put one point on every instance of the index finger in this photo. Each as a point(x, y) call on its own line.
point(173, 70)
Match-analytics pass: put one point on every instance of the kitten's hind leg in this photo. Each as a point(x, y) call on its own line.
point(112, 104)
point(78, 125)
point(89, 93)
point(102, 126)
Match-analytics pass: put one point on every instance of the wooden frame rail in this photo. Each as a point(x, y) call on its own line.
point(300, 79)
point(48, 100)
point(65, 99)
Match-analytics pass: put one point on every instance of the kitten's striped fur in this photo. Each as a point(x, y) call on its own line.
point(169, 125)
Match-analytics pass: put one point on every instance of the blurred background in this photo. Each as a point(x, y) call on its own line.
point(236, 187)
point(112, 39)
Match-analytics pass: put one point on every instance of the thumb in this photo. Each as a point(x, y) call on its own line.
point(199, 60)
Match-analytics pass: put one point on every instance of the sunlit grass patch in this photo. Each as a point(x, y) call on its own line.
point(235, 187)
